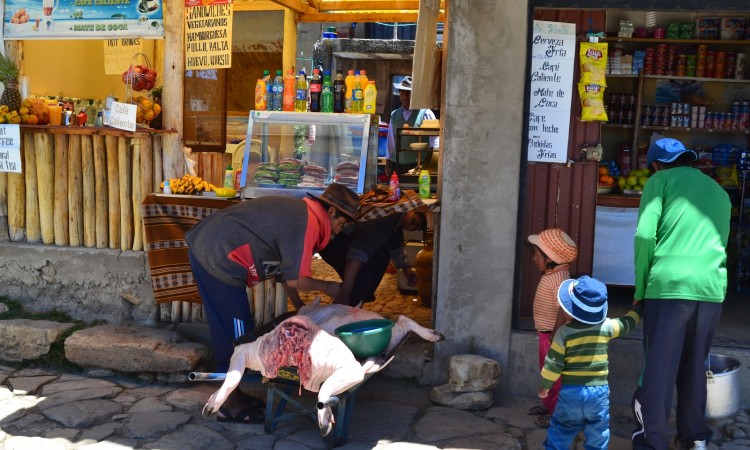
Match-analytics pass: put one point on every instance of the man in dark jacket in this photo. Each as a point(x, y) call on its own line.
point(360, 255)
point(255, 240)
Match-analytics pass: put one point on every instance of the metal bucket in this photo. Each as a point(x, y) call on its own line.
point(723, 386)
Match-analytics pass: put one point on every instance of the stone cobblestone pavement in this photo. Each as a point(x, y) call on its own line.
point(98, 410)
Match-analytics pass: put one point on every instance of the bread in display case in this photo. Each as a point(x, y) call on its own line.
point(304, 152)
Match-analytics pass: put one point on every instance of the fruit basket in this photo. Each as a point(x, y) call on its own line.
point(142, 78)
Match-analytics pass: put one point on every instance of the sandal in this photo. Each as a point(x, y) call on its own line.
point(542, 421)
point(538, 411)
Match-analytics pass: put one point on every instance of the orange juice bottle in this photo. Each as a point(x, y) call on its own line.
point(349, 81)
point(261, 92)
point(363, 79)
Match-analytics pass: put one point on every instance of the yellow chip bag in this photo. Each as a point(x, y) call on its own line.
point(593, 63)
point(592, 102)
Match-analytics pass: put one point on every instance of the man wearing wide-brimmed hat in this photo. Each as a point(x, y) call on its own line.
point(401, 117)
point(681, 276)
point(255, 240)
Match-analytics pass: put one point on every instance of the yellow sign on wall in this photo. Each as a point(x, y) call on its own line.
point(208, 35)
point(118, 54)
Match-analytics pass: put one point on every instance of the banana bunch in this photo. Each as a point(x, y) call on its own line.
point(189, 184)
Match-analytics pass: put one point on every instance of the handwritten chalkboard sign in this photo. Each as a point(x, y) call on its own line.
point(551, 91)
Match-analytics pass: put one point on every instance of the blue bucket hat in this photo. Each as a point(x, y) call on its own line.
point(666, 150)
point(585, 299)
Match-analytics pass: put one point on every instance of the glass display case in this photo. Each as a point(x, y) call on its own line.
point(293, 153)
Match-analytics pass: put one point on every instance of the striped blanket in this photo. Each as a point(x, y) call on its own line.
point(166, 219)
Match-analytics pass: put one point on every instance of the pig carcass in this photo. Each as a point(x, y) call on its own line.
point(330, 317)
point(324, 364)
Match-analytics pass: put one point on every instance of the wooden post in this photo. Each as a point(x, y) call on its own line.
point(281, 301)
point(176, 314)
point(113, 192)
point(165, 312)
point(147, 167)
point(33, 230)
point(75, 191)
point(425, 70)
point(259, 301)
point(157, 167)
point(45, 175)
point(269, 305)
point(16, 207)
point(137, 196)
point(186, 311)
point(126, 193)
point(4, 207)
point(289, 50)
point(101, 187)
point(172, 95)
point(61, 190)
point(89, 191)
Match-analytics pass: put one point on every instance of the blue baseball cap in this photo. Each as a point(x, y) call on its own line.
point(666, 150)
point(585, 299)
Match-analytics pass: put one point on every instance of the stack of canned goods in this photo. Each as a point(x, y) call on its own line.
point(737, 119)
point(621, 108)
point(656, 115)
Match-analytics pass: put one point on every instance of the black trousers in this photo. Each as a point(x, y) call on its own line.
point(677, 339)
point(370, 274)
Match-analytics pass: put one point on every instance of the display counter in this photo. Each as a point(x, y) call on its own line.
point(83, 186)
point(615, 224)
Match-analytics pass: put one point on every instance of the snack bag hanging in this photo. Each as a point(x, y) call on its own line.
point(593, 56)
point(592, 102)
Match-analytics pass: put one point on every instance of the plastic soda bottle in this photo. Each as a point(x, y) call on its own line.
point(339, 92)
point(229, 177)
point(261, 93)
point(316, 88)
point(394, 188)
point(349, 81)
point(424, 184)
point(289, 92)
point(300, 98)
point(269, 92)
point(167, 189)
point(363, 80)
point(326, 95)
point(278, 91)
point(357, 94)
point(371, 98)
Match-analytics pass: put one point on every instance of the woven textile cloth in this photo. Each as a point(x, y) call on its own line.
point(166, 219)
point(373, 205)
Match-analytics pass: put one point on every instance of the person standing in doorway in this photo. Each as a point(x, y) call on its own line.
point(401, 117)
point(554, 251)
point(681, 276)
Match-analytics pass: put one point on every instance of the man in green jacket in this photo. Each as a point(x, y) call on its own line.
point(681, 276)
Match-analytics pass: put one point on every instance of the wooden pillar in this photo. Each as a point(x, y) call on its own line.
point(289, 50)
point(158, 170)
point(89, 191)
point(75, 191)
point(45, 174)
point(4, 207)
point(137, 196)
point(113, 192)
point(61, 190)
point(33, 230)
point(101, 186)
point(126, 193)
point(172, 95)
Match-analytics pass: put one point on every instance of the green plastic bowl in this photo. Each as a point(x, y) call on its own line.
point(367, 337)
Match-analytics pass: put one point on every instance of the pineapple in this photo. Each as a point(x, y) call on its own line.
point(9, 77)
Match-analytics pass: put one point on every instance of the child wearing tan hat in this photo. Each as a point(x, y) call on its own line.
point(553, 250)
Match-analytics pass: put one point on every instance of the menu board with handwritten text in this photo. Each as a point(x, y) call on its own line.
point(551, 90)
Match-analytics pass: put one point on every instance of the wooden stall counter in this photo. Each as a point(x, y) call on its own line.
point(618, 201)
point(82, 186)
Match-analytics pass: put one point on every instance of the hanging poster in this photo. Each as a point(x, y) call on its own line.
point(10, 148)
point(82, 19)
point(208, 34)
point(551, 90)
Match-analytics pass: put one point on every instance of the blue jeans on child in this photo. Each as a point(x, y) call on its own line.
point(580, 408)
